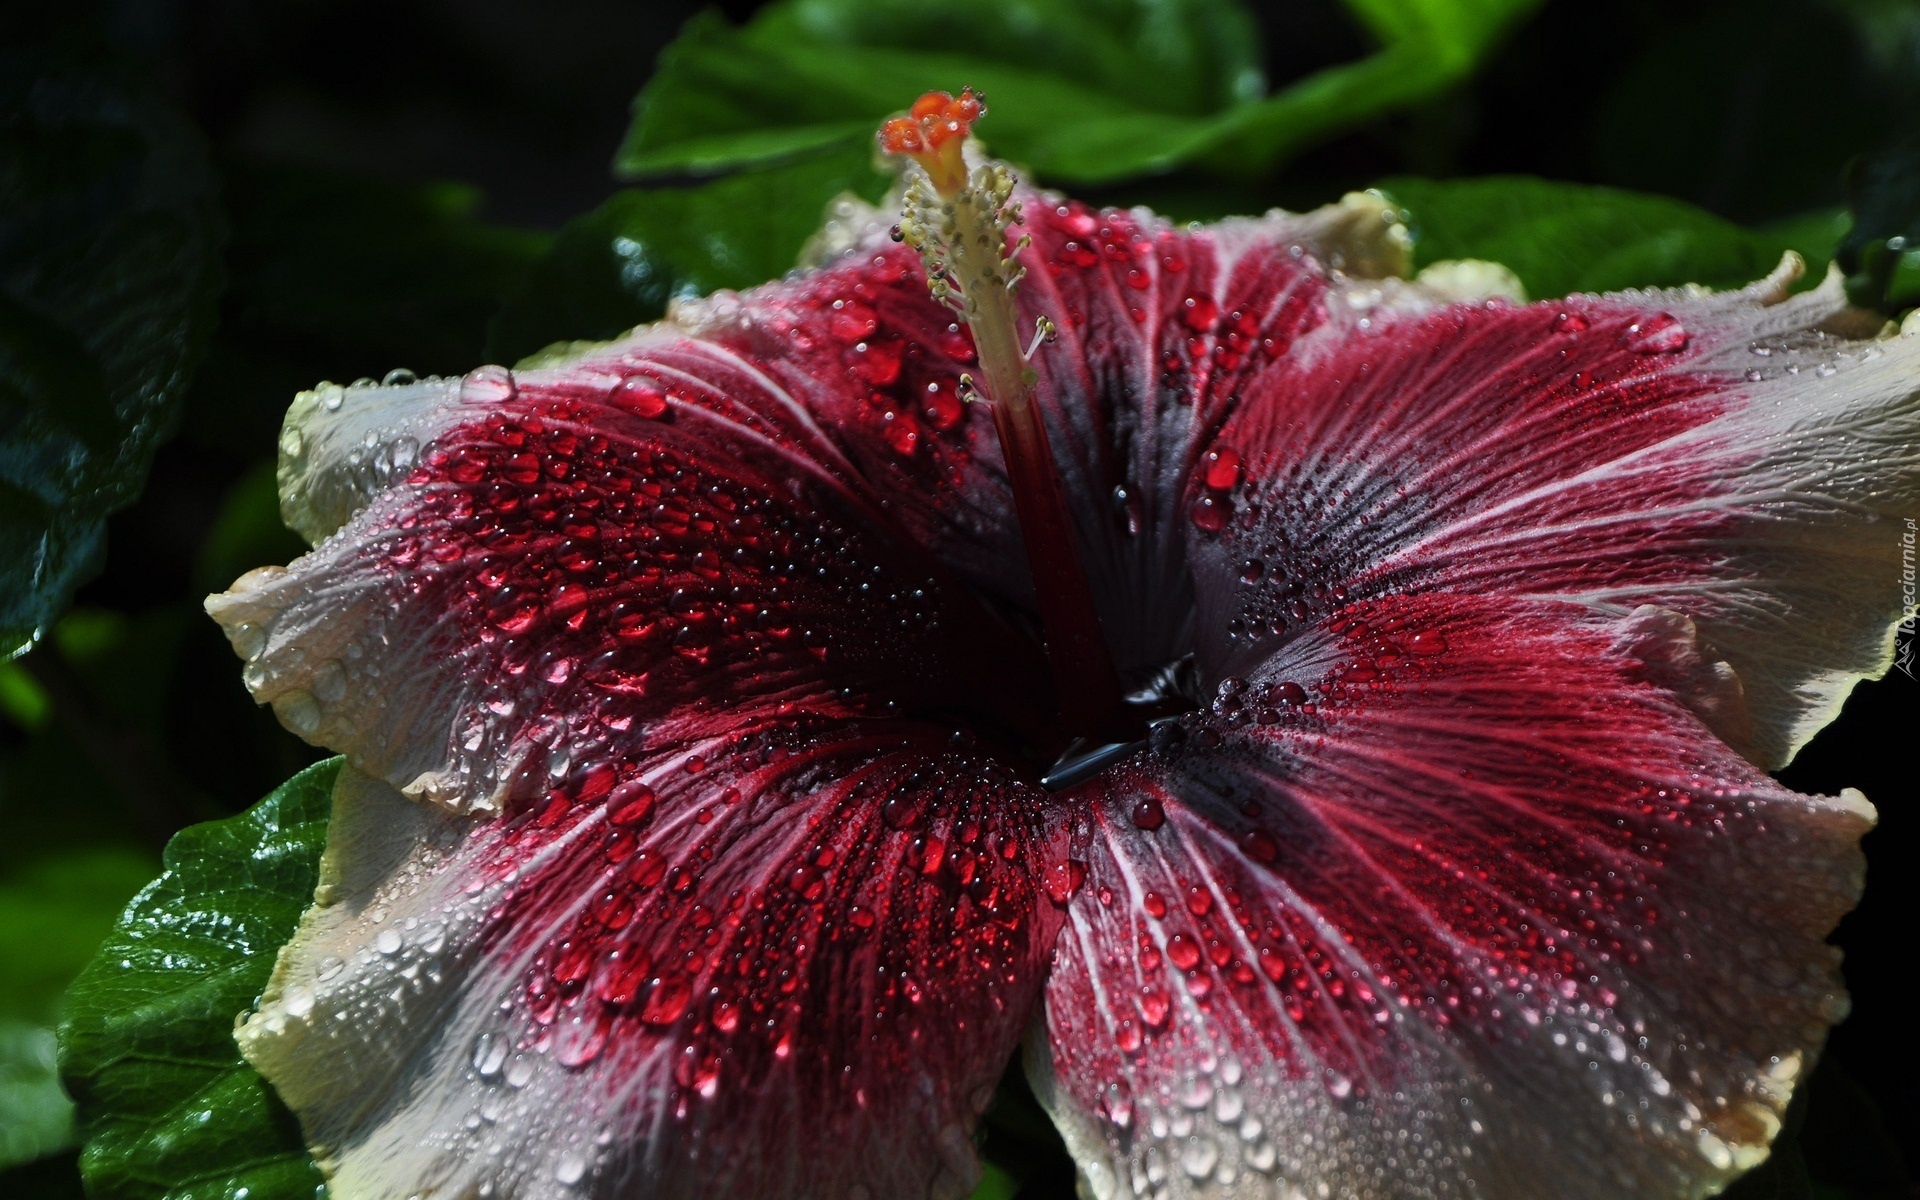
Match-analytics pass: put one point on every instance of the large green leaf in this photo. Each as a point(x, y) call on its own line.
point(109, 242)
point(1561, 237)
point(167, 1108)
point(619, 265)
point(1082, 91)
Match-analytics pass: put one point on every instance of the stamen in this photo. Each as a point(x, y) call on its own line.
point(1044, 330)
point(959, 221)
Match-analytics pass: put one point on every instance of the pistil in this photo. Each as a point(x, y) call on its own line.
point(958, 219)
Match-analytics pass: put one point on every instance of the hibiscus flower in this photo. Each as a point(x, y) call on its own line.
point(1329, 712)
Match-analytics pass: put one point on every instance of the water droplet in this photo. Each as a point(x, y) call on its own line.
point(631, 804)
point(1200, 313)
point(571, 1169)
point(1126, 506)
point(297, 1001)
point(666, 1000)
point(487, 386)
point(1259, 845)
point(1063, 879)
point(1263, 1155)
point(903, 434)
point(248, 639)
point(330, 682)
point(398, 377)
point(1221, 469)
point(1210, 513)
point(1569, 322)
point(1147, 813)
point(298, 711)
point(579, 1040)
point(1661, 333)
point(489, 1055)
point(1426, 644)
point(330, 966)
point(519, 1071)
point(640, 396)
point(942, 407)
point(387, 942)
point(1199, 1157)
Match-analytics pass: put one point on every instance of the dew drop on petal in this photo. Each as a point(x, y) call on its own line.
point(1210, 513)
point(1661, 333)
point(903, 434)
point(1200, 312)
point(666, 1000)
point(1259, 845)
point(298, 711)
point(1221, 469)
point(487, 386)
point(1063, 879)
point(489, 1055)
point(640, 396)
point(1426, 644)
point(631, 804)
point(1147, 813)
point(579, 1040)
point(1154, 1007)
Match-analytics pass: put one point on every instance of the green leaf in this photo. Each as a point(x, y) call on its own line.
point(1561, 237)
point(995, 1184)
point(36, 1118)
point(52, 916)
point(109, 241)
point(619, 265)
point(53, 913)
point(167, 1108)
point(1082, 91)
point(1881, 254)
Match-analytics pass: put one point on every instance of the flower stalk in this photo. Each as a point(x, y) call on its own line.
point(959, 220)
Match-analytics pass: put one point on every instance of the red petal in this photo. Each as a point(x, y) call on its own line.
point(691, 883)
point(1713, 456)
point(1471, 920)
point(820, 937)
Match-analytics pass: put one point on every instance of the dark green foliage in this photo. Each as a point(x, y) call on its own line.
point(109, 242)
point(1882, 254)
point(1082, 91)
point(168, 1109)
point(1561, 238)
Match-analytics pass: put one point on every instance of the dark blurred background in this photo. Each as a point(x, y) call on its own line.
point(391, 170)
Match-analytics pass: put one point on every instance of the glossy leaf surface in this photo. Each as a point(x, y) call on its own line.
point(168, 1109)
point(1087, 90)
point(1561, 238)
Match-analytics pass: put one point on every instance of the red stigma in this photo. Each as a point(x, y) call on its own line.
point(932, 133)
